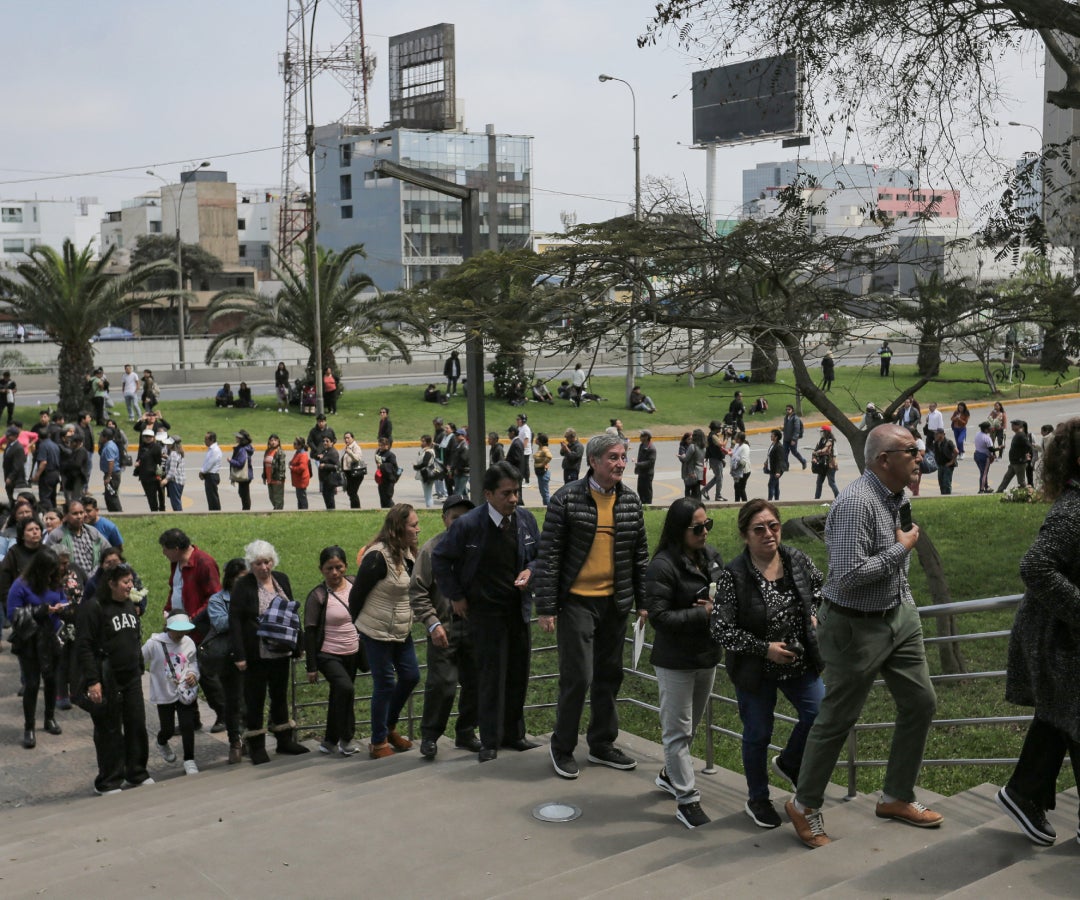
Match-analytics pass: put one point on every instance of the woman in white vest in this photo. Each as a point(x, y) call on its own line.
point(379, 604)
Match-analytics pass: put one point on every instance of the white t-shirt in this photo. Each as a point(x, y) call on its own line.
point(130, 381)
point(525, 433)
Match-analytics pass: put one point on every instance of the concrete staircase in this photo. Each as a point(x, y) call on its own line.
point(331, 827)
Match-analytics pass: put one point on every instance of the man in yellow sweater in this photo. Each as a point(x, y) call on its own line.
point(590, 574)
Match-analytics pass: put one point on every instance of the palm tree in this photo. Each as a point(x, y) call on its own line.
point(72, 295)
point(348, 320)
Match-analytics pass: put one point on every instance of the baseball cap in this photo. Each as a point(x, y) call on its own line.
point(457, 500)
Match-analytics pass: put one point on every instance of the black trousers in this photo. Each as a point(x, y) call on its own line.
point(644, 488)
point(221, 675)
point(168, 714)
point(210, 485)
point(328, 491)
point(120, 733)
point(266, 677)
point(150, 488)
point(37, 670)
point(352, 488)
point(447, 668)
point(112, 493)
point(1036, 773)
point(590, 632)
point(501, 642)
point(243, 488)
point(340, 674)
point(386, 494)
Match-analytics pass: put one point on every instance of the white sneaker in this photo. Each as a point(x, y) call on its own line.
point(190, 768)
point(166, 752)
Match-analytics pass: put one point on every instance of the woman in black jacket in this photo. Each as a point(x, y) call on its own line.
point(765, 617)
point(108, 649)
point(679, 587)
point(266, 670)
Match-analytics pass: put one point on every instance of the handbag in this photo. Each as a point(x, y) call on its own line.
point(213, 651)
point(186, 693)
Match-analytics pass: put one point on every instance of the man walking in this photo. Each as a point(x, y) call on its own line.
point(111, 469)
point(47, 468)
point(484, 565)
point(591, 572)
point(210, 473)
point(645, 467)
point(945, 455)
point(868, 626)
point(1019, 456)
point(130, 384)
point(793, 433)
point(451, 659)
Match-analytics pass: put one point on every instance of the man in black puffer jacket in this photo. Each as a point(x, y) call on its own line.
point(590, 573)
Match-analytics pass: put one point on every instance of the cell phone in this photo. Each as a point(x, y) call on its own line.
point(905, 517)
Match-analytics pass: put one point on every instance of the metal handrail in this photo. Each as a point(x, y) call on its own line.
point(713, 732)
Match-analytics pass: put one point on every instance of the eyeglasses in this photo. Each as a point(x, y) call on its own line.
point(910, 451)
point(700, 527)
point(762, 527)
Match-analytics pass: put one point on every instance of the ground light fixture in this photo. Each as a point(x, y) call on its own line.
point(556, 811)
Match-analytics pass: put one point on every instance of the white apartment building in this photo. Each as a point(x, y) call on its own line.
point(25, 224)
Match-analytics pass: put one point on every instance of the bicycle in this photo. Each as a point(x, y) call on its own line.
point(1002, 374)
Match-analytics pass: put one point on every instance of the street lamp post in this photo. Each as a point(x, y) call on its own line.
point(631, 344)
point(179, 261)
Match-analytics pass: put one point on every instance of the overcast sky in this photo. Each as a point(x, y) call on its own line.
point(119, 86)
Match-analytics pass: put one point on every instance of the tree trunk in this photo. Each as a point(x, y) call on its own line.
point(76, 364)
point(929, 360)
point(1053, 358)
point(952, 659)
point(764, 361)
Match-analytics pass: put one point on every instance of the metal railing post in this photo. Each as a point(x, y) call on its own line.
point(710, 740)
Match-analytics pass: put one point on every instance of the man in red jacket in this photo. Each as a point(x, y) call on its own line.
point(193, 579)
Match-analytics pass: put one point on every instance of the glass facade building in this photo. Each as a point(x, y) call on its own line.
point(411, 234)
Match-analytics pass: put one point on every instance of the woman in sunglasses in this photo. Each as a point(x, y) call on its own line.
point(679, 586)
point(765, 617)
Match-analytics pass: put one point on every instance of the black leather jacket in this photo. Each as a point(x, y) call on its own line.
point(672, 588)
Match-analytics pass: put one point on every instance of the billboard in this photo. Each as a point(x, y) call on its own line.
point(748, 101)
point(422, 79)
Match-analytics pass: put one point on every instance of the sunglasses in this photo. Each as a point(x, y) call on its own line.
point(762, 527)
point(910, 451)
point(701, 527)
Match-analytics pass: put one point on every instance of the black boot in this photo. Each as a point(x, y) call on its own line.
point(28, 740)
point(52, 727)
point(287, 743)
point(257, 749)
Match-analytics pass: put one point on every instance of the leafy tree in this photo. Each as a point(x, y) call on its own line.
point(498, 297)
point(371, 324)
point(872, 57)
point(72, 295)
point(198, 263)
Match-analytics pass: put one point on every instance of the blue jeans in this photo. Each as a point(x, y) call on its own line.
point(982, 460)
point(944, 479)
point(791, 448)
point(831, 475)
point(774, 485)
point(543, 481)
point(756, 711)
point(394, 674)
point(176, 493)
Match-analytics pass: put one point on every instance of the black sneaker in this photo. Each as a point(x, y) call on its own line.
point(762, 812)
point(784, 772)
point(428, 748)
point(692, 815)
point(612, 757)
point(565, 764)
point(1030, 818)
point(664, 783)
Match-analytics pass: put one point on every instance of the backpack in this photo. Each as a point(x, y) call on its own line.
point(929, 463)
point(279, 627)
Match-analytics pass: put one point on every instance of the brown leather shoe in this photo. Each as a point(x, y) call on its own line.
point(236, 753)
point(809, 826)
point(398, 742)
point(378, 751)
point(913, 813)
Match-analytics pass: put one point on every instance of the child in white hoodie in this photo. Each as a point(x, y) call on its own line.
point(171, 660)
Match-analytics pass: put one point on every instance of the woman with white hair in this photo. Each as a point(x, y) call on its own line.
point(264, 662)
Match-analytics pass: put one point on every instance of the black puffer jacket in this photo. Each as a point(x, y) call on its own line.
point(569, 528)
point(672, 588)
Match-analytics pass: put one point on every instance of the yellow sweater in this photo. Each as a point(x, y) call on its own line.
point(597, 575)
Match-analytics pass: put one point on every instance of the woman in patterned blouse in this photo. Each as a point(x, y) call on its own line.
point(765, 617)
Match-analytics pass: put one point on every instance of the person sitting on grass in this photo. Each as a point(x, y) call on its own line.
point(224, 397)
point(540, 392)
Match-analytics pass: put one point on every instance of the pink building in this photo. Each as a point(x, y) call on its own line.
point(906, 203)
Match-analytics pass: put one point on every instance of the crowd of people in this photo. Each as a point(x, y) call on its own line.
point(77, 611)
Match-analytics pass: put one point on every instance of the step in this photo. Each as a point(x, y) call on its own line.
point(971, 845)
point(1043, 872)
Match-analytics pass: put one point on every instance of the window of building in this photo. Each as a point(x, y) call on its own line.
point(263, 223)
point(11, 214)
point(265, 251)
point(346, 211)
point(155, 227)
point(243, 251)
point(241, 224)
point(346, 187)
point(14, 245)
point(346, 155)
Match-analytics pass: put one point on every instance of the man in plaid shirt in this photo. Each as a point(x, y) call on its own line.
point(868, 625)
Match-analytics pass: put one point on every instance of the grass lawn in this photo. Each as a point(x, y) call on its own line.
point(980, 543)
point(679, 407)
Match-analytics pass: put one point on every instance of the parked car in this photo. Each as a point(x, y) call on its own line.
point(112, 333)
